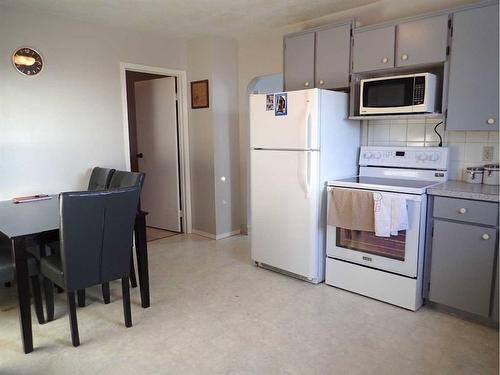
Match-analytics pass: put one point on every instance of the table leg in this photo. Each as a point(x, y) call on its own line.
point(23, 292)
point(141, 249)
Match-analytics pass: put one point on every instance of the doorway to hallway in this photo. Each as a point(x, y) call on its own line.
point(153, 123)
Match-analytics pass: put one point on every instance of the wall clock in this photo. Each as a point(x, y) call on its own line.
point(27, 61)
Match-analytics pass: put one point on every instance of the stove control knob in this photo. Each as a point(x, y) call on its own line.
point(434, 156)
point(422, 156)
point(367, 155)
point(378, 155)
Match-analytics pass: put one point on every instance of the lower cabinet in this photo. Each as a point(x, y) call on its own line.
point(463, 266)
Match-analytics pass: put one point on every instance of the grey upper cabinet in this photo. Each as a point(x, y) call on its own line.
point(462, 266)
point(422, 41)
point(299, 62)
point(473, 79)
point(373, 49)
point(333, 48)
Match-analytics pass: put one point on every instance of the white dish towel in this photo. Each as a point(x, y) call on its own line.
point(391, 214)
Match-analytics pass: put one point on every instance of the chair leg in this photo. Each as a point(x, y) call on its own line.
point(127, 312)
point(81, 297)
point(48, 288)
point(73, 323)
point(106, 296)
point(37, 296)
point(133, 280)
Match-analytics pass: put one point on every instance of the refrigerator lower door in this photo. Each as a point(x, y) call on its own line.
point(297, 129)
point(285, 211)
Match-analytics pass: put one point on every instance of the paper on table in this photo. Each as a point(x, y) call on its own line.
point(31, 198)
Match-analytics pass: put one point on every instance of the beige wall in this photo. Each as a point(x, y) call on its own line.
point(262, 54)
point(214, 146)
point(201, 152)
point(226, 136)
point(56, 126)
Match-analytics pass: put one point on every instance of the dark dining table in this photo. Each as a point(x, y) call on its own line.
point(37, 223)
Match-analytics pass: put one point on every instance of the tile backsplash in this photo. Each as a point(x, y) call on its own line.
point(466, 147)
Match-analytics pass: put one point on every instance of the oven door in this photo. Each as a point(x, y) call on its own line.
point(387, 95)
point(398, 254)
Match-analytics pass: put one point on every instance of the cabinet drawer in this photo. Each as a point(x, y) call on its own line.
point(466, 210)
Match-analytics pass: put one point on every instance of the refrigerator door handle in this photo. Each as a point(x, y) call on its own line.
point(308, 174)
point(308, 124)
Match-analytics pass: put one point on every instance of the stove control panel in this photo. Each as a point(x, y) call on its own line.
point(404, 157)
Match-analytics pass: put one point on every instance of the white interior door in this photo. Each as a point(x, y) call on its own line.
point(156, 116)
point(284, 203)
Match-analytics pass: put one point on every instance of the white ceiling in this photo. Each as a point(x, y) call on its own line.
point(190, 18)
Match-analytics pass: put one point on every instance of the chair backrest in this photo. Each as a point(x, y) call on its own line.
point(96, 230)
point(100, 178)
point(123, 179)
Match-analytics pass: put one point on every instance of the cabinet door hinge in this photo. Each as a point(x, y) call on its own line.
point(432, 232)
point(446, 114)
point(448, 51)
point(428, 287)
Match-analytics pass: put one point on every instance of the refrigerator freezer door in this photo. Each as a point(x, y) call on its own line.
point(297, 130)
point(284, 207)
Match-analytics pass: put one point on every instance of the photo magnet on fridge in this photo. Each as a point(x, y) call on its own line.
point(270, 102)
point(280, 103)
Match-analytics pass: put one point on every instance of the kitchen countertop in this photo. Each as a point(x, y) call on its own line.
point(461, 189)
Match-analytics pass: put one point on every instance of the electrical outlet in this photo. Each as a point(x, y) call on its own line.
point(487, 153)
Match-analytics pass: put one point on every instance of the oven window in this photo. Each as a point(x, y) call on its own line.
point(391, 247)
point(396, 92)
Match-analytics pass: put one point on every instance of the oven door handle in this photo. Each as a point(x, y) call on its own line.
point(408, 197)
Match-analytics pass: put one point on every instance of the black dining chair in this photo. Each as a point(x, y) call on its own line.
point(96, 230)
point(117, 179)
point(124, 179)
point(100, 178)
point(8, 274)
point(121, 179)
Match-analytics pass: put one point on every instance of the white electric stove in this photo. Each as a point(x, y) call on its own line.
point(387, 268)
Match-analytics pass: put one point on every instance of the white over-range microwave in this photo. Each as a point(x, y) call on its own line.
point(410, 93)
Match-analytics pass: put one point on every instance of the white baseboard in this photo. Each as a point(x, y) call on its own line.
point(228, 234)
point(218, 236)
point(203, 234)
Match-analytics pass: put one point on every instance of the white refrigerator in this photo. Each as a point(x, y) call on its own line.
point(298, 141)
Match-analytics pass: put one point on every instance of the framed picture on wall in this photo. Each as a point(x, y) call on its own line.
point(199, 94)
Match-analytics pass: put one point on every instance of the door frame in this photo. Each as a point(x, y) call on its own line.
point(182, 97)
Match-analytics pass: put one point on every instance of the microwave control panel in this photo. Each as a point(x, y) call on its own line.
point(419, 91)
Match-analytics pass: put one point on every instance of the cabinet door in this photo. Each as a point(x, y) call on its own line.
point(373, 49)
point(333, 48)
point(473, 88)
point(422, 41)
point(299, 62)
point(462, 266)
point(494, 303)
